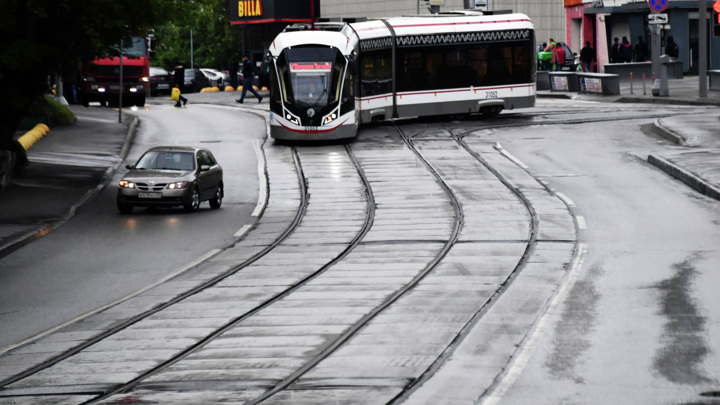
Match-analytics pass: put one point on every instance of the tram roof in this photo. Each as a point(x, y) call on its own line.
point(339, 35)
point(442, 24)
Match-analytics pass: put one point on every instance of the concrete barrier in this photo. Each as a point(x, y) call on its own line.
point(674, 70)
point(600, 83)
point(714, 76)
point(563, 81)
point(542, 80)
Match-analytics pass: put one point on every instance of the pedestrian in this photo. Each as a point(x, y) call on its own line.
point(179, 78)
point(640, 53)
point(615, 51)
point(177, 97)
point(559, 56)
point(671, 48)
point(233, 70)
point(249, 71)
point(626, 50)
point(587, 57)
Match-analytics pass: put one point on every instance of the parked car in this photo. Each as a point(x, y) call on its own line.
point(217, 78)
point(160, 81)
point(171, 176)
point(572, 60)
point(194, 81)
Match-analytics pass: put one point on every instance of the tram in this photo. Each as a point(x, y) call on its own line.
point(328, 79)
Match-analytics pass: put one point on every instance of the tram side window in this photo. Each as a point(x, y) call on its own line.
point(347, 102)
point(458, 66)
point(275, 100)
point(376, 74)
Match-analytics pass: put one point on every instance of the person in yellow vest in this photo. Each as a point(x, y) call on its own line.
point(177, 97)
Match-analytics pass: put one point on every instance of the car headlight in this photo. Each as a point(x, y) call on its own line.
point(126, 184)
point(177, 185)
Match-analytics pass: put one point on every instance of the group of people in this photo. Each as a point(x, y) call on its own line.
point(553, 55)
point(624, 51)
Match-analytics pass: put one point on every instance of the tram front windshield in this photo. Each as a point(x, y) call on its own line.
point(312, 76)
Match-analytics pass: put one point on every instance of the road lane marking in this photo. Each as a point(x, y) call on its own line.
point(262, 195)
point(526, 351)
point(510, 156)
point(581, 222)
point(242, 231)
point(566, 199)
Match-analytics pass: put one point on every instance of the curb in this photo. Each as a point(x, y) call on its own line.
point(695, 182)
point(42, 231)
point(669, 134)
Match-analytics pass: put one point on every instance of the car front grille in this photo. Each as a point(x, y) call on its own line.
point(150, 187)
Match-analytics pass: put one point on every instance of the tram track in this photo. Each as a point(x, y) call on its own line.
point(373, 242)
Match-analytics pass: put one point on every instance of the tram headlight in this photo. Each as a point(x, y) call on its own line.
point(293, 119)
point(330, 118)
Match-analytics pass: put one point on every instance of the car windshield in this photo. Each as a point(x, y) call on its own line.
point(189, 73)
point(166, 160)
point(155, 71)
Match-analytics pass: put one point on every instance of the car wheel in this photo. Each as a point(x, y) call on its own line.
point(124, 208)
point(194, 202)
point(217, 201)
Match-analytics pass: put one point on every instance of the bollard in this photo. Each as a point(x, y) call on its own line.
point(644, 92)
point(631, 84)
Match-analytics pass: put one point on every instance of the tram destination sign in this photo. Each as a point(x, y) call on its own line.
point(658, 18)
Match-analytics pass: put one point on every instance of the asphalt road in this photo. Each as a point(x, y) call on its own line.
point(108, 256)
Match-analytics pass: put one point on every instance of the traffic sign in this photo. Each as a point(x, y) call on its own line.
point(658, 5)
point(657, 18)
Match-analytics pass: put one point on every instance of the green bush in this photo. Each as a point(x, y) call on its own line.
point(47, 111)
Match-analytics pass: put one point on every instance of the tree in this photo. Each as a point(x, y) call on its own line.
point(215, 41)
point(48, 37)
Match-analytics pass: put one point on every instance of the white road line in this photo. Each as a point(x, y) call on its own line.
point(581, 222)
point(261, 176)
point(242, 231)
point(565, 198)
point(511, 157)
point(119, 300)
point(527, 349)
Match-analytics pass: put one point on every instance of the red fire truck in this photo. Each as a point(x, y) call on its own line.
point(101, 77)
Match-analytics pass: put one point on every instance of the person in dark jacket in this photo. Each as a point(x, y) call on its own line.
point(233, 71)
point(671, 48)
point(179, 77)
point(615, 51)
point(249, 71)
point(626, 50)
point(640, 54)
point(587, 57)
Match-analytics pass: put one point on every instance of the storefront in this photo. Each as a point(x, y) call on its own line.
point(264, 19)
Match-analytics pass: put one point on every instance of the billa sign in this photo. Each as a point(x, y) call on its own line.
point(273, 11)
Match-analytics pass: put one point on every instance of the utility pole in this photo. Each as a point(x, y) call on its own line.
point(702, 57)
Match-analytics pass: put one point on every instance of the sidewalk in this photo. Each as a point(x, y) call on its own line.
point(66, 167)
point(71, 164)
point(698, 165)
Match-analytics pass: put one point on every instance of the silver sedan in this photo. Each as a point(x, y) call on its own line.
point(172, 176)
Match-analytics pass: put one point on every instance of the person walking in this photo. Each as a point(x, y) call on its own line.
point(640, 54)
point(179, 77)
point(615, 51)
point(587, 57)
point(249, 71)
point(671, 48)
point(233, 70)
point(626, 50)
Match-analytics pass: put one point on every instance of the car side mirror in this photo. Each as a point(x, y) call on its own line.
point(129, 167)
point(204, 168)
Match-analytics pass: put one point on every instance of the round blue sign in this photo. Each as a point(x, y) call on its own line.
point(658, 5)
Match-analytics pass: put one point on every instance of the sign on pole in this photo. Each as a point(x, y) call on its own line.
point(658, 5)
point(657, 18)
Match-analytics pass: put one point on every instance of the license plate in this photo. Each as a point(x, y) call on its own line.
point(150, 195)
point(163, 86)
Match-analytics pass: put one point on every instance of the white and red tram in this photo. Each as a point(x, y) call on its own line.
point(325, 82)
